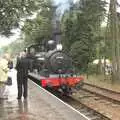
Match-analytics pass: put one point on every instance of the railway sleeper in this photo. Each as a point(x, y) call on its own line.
point(84, 110)
point(95, 118)
point(87, 113)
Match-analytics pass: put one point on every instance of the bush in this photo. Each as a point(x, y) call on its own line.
point(92, 69)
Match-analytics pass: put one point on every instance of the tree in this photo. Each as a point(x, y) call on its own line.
point(11, 12)
point(113, 26)
point(80, 26)
point(39, 28)
point(36, 30)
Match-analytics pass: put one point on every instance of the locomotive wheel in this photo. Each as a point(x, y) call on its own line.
point(66, 90)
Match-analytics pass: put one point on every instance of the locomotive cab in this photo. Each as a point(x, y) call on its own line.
point(36, 54)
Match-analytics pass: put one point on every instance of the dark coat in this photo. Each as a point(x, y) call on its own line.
point(23, 66)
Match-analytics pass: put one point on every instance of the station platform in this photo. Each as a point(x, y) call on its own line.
point(40, 105)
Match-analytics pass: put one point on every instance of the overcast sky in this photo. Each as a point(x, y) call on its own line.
point(4, 41)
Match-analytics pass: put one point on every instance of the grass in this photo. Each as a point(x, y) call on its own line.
point(101, 81)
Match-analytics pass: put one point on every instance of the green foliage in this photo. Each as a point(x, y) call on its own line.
point(36, 30)
point(81, 54)
point(92, 69)
point(39, 28)
point(80, 26)
point(94, 11)
point(11, 12)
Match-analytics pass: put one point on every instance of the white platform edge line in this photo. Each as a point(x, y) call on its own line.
point(62, 101)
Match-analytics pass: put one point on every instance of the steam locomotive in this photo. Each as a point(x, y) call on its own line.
point(54, 67)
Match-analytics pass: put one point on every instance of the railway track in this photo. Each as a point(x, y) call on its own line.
point(79, 106)
point(103, 100)
point(84, 109)
point(107, 94)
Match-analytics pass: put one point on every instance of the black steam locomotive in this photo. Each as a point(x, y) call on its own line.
point(50, 60)
point(54, 65)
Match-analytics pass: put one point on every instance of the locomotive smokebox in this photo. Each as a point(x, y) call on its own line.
point(58, 62)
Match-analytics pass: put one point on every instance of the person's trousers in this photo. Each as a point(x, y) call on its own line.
point(22, 87)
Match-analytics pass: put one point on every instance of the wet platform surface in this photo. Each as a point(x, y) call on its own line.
point(40, 105)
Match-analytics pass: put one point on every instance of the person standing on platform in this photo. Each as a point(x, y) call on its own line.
point(3, 75)
point(22, 66)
